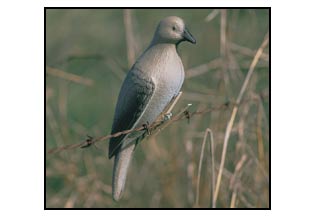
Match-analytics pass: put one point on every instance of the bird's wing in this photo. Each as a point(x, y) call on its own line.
point(133, 99)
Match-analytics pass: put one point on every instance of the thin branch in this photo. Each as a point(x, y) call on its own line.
point(224, 50)
point(260, 142)
point(216, 64)
point(174, 102)
point(203, 68)
point(233, 199)
point(234, 111)
point(69, 76)
point(212, 15)
point(130, 39)
point(52, 122)
point(223, 33)
point(233, 183)
point(208, 131)
point(199, 166)
point(252, 67)
point(212, 168)
point(71, 200)
point(247, 51)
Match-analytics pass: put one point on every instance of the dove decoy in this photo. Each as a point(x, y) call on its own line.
point(155, 78)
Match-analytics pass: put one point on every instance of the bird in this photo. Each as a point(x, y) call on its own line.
point(153, 81)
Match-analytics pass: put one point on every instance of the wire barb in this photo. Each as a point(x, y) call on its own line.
point(187, 115)
point(146, 128)
point(88, 142)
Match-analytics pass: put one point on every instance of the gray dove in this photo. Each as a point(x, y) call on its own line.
point(153, 81)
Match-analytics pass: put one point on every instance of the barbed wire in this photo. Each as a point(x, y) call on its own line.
point(157, 125)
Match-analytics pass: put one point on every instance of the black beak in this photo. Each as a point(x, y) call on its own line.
point(188, 36)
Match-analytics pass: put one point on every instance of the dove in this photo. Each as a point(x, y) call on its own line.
point(152, 82)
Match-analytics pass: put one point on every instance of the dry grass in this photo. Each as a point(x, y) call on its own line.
point(234, 112)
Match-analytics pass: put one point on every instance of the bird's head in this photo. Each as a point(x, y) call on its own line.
point(172, 30)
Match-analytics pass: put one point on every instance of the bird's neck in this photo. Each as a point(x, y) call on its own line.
point(163, 46)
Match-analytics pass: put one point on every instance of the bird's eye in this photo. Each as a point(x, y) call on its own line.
point(174, 28)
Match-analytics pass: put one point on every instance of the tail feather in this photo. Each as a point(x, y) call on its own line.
point(120, 170)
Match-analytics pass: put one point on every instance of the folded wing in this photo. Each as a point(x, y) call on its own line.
point(134, 96)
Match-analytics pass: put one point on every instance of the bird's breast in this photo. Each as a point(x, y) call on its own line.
point(167, 72)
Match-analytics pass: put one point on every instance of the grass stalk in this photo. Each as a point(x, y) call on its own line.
point(234, 112)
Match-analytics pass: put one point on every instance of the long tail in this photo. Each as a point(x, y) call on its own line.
point(120, 170)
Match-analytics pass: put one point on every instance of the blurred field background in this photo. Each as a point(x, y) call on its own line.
point(89, 51)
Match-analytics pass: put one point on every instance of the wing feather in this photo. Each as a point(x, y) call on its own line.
point(134, 96)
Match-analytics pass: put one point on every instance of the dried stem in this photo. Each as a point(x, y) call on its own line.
point(130, 39)
point(208, 131)
point(203, 68)
point(52, 122)
point(199, 167)
point(212, 168)
point(233, 199)
point(68, 76)
point(223, 33)
point(233, 184)
point(261, 153)
point(212, 15)
point(246, 51)
point(173, 103)
point(234, 111)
